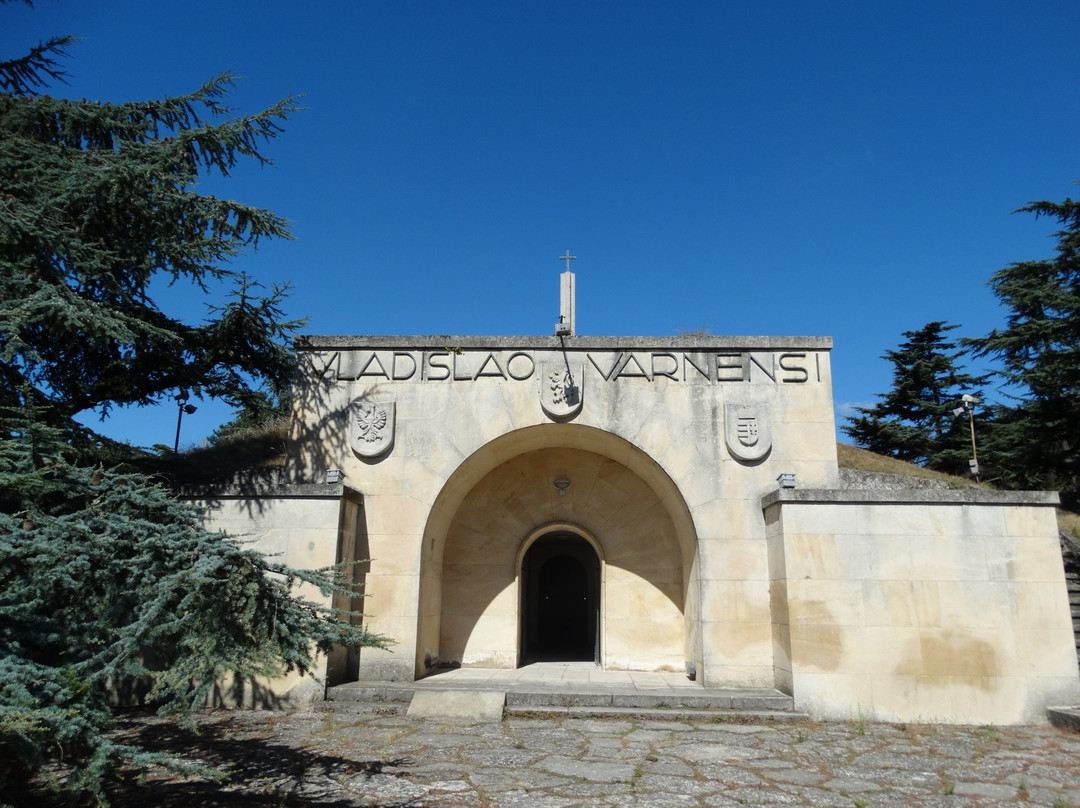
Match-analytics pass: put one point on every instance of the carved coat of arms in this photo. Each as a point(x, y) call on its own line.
point(371, 427)
point(561, 389)
point(747, 431)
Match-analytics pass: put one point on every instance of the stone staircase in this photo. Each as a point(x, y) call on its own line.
point(525, 699)
point(1070, 554)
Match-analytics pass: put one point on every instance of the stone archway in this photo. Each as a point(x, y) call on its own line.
point(471, 607)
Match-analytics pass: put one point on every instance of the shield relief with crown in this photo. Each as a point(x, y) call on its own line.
point(561, 389)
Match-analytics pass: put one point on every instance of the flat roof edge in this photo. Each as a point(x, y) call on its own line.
point(269, 491)
point(315, 342)
point(912, 496)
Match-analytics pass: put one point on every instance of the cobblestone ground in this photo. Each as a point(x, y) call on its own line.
point(335, 760)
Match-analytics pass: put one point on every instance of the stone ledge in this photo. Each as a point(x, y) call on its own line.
point(878, 481)
point(960, 496)
point(756, 717)
point(270, 490)
point(440, 342)
point(1064, 717)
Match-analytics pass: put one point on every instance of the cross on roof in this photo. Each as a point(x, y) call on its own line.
point(568, 258)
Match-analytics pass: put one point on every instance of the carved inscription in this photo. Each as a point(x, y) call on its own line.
point(715, 367)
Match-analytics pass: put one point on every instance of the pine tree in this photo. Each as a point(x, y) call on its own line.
point(102, 572)
point(1038, 438)
point(105, 577)
point(914, 421)
point(99, 210)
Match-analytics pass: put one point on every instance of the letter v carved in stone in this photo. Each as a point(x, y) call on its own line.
point(614, 366)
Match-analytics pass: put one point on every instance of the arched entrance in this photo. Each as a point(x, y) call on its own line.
point(560, 601)
point(620, 503)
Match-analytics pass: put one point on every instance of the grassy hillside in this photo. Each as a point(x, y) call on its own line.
point(253, 451)
point(850, 457)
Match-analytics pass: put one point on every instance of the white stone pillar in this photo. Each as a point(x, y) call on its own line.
point(567, 301)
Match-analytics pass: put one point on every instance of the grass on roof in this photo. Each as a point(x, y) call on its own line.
point(851, 457)
point(253, 450)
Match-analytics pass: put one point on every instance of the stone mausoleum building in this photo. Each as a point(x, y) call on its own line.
point(655, 504)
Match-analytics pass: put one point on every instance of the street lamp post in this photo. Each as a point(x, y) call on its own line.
point(182, 407)
point(967, 404)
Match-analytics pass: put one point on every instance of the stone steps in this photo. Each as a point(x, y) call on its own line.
point(1071, 558)
point(721, 705)
point(732, 716)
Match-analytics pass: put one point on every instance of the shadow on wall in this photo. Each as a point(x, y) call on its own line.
point(644, 586)
point(320, 444)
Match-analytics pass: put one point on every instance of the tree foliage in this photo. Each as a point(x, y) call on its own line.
point(1038, 436)
point(914, 421)
point(105, 577)
point(99, 210)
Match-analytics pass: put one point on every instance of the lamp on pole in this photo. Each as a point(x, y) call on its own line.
point(967, 404)
point(182, 407)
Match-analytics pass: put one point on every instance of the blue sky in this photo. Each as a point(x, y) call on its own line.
point(840, 169)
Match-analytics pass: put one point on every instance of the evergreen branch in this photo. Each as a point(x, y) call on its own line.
point(27, 74)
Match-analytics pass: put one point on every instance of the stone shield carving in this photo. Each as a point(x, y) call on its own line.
point(371, 427)
point(562, 389)
point(747, 431)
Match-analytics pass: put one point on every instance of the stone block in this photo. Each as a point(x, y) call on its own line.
point(820, 648)
point(463, 704)
point(811, 555)
point(395, 515)
point(1045, 652)
point(1024, 558)
point(310, 548)
point(825, 602)
point(954, 558)
point(738, 559)
point(720, 674)
point(737, 601)
point(834, 697)
point(821, 519)
point(1025, 522)
point(967, 653)
point(889, 603)
point(737, 644)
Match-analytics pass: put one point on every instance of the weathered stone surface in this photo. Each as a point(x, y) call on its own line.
point(596, 771)
point(651, 467)
point(479, 705)
point(340, 759)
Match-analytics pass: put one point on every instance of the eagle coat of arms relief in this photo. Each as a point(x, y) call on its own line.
point(371, 427)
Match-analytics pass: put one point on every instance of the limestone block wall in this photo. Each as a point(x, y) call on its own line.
point(668, 409)
point(944, 606)
point(303, 527)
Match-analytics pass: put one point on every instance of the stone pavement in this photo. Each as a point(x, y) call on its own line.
point(337, 759)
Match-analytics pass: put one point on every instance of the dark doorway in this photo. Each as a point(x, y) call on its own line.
point(560, 601)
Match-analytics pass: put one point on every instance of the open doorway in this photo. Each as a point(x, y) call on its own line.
point(560, 600)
